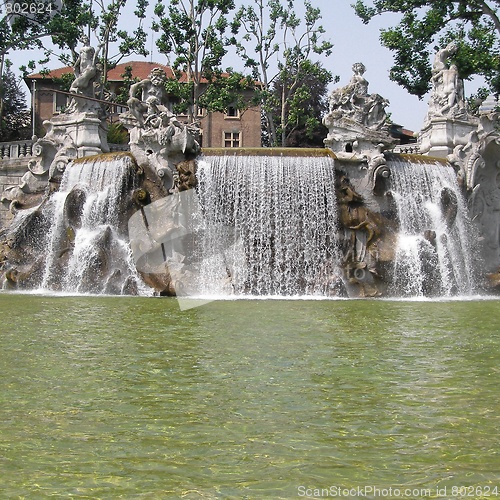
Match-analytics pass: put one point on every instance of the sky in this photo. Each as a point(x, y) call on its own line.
point(353, 42)
point(356, 42)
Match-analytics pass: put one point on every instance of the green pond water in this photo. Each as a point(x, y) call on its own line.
point(118, 397)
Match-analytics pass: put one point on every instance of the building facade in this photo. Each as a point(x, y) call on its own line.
point(233, 129)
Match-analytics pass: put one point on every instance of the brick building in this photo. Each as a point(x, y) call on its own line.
point(234, 128)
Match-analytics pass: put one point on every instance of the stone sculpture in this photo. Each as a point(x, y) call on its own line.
point(77, 132)
point(153, 99)
point(367, 240)
point(158, 140)
point(447, 95)
point(474, 155)
point(51, 155)
point(447, 123)
point(353, 102)
point(186, 175)
point(357, 121)
point(87, 71)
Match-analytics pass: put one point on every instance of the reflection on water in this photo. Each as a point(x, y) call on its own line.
point(120, 397)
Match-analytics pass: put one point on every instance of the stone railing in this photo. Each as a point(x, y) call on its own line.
point(407, 149)
point(24, 149)
point(16, 149)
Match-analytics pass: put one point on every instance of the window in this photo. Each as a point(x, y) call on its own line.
point(60, 102)
point(232, 112)
point(232, 139)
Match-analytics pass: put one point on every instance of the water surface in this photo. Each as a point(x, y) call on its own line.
point(118, 397)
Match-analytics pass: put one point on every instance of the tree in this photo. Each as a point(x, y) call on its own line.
point(277, 45)
point(21, 28)
point(193, 33)
point(123, 94)
point(105, 25)
point(15, 121)
point(103, 21)
point(426, 26)
point(302, 104)
point(63, 23)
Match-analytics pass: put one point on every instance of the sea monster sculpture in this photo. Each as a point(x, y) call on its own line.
point(367, 241)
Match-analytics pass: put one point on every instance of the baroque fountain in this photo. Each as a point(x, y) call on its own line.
point(351, 220)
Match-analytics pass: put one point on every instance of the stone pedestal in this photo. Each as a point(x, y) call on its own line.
point(440, 136)
point(346, 138)
point(86, 131)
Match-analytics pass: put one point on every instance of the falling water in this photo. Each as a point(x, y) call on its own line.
point(271, 219)
point(98, 256)
point(434, 254)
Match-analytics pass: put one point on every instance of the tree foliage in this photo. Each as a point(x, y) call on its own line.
point(21, 29)
point(303, 103)
point(26, 30)
point(56, 30)
point(64, 23)
point(105, 24)
point(192, 36)
point(15, 118)
point(425, 26)
point(128, 80)
point(278, 45)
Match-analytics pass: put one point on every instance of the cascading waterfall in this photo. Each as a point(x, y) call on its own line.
point(433, 256)
point(272, 221)
point(255, 225)
point(86, 213)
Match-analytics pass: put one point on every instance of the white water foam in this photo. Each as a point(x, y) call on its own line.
point(440, 263)
point(272, 220)
point(99, 252)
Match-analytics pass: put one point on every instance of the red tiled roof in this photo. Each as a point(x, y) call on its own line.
point(140, 69)
point(54, 73)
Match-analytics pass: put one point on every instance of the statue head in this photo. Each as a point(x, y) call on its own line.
point(157, 77)
point(358, 68)
point(452, 48)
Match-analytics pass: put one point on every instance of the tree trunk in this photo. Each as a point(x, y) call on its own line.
point(2, 61)
point(283, 117)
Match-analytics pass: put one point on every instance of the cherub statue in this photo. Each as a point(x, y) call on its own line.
point(153, 99)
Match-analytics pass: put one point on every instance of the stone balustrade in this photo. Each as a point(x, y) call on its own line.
point(407, 149)
point(16, 149)
point(24, 149)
